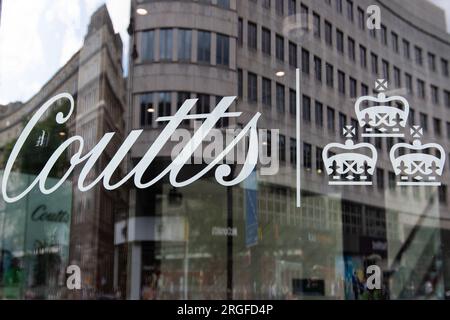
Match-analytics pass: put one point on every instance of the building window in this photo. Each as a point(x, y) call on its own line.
point(316, 25)
point(148, 46)
point(184, 44)
point(279, 42)
point(147, 109)
point(240, 32)
point(409, 83)
point(374, 63)
point(306, 104)
point(386, 73)
point(279, 7)
point(204, 47)
point(265, 41)
point(223, 4)
point(341, 82)
point(240, 83)
point(267, 92)
point(384, 39)
point(164, 105)
point(339, 6)
point(448, 130)
point(307, 156)
point(292, 102)
point(406, 49)
point(444, 65)
point(421, 88)
point(418, 55)
point(437, 127)
point(361, 19)
point(364, 89)
point(318, 68)
point(331, 120)
point(340, 41)
point(304, 12)
point(342, 122)
point(203, 104)
point(292, 7)
point(434, 94)
point(252, 36)
point(280, 97)
point(282, 147)
point(266, 4)
point(305, 61)
point(397, 77)
point(223, 50)
point(293, 151)
point(394, 42)
point(432, 61)
point(380, 179)
point(328, 33)
point(165, 44)
point(412, 117)
point(293, 54)
point(363, 56)
point(319, 114)
point(353, 90)
point(351, 49)
point(447, 98)
point(350, 10)
point(252, 87)
point(181, 98)
point(424, 121)
point(329, 74)
point(319, 161)
point(392, 180)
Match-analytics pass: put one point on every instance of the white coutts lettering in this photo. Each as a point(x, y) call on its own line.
point(221, 172)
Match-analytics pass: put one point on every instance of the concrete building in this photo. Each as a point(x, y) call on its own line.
point(94, 77)
point(210, 49)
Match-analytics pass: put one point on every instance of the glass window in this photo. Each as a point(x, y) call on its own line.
point(223, 3)
point(279, 7)
point(331, 119)
point(293, 55)
point(204, 103)
point(147, 109)
point(384, 39)
point(280, 97)
point(223, 50)
point(406, 49)
point(340, 41)
point(418, 55)
point(307, 156)
point(282, 147)
point(293, 151)
point(316, 25)
point(319, 114)
point(444, 66)
point(432, 61)
point(240, 31)
point(165, 44)
point(306, 107)
point(353, 88)
point(252, 87)
point(279, 42)
point(341, 82)
point(351, 49)
point(350, 10)
point(292, 7)
point(204, 47)
point(328, 33)
point(148, 46)
point(361, 19)
point(267, 92)
point(363, 56)
point(329, 70)
point(292, 102)
point(318, 68)
point(184, 44)
point(164, 105)
point(266, 43)
point(394, 38)
point(305, 61)
point(252, 36)
point(240, 77)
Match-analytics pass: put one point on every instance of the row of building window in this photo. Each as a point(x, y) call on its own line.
point(329, 69)
point(159, 104)
point(362, 18)
point(280, 92)
point(183, 42)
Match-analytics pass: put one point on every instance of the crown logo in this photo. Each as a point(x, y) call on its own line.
point(378, 117)
point(350, 168)
point(418, 167)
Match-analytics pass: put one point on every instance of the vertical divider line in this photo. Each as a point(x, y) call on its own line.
point(298, 127)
